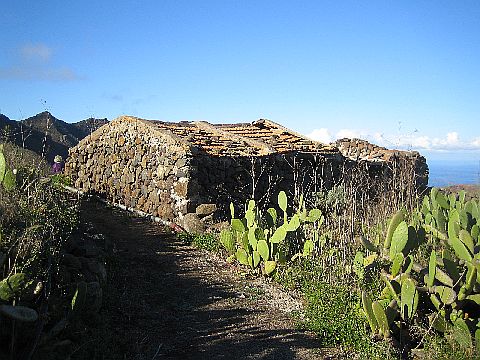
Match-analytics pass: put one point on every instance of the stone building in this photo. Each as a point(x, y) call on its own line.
point(172, 169)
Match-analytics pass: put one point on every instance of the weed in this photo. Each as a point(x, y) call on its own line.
point(333, 313)
point(438, 348)
point(206, 241)
point(36, 219)
point(60, 180)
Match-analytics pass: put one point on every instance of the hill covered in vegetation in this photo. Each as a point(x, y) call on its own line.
point(45, 134)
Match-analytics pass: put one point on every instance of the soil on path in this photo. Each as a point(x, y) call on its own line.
point(167, 300)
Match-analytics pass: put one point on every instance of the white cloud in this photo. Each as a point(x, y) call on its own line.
point(38, 73)
point(352, 134)
point(452, 138)
point(422, 142)
point(322, 135)
point(36, 52)
point(450, 142)
point(35, 62)
point(378, 138)
point(348, 133)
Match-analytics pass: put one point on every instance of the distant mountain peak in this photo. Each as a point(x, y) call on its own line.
point(4, 118)
point(43, 115)
point(60, 135)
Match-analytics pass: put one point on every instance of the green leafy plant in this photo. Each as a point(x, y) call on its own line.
point(7, 175)
point(36, 219)
point(442, 289)
point(333, 314)
point(61, 180)
point(260, 241)
point(12, 285)
point(205, 241)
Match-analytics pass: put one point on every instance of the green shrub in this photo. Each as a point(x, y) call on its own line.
point(36, 219)
point(205, 241)
point(333, 200)
point(333, 313)
point(440, 348)
point(60, 179)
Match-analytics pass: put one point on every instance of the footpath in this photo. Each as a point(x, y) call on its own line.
point(167, 300)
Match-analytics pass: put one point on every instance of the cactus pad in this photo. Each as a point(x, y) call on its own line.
point(396, 220)
point(279, 235)
point(409, 299)
point(282, 201)
point(368, 310)
point(432, 266)
point(270, 267)
point(381, 318)
point(399, 239)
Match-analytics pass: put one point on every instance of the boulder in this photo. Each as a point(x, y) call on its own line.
point(205, 209)
point(192, 223)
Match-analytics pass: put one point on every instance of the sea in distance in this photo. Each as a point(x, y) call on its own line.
point(448, 172)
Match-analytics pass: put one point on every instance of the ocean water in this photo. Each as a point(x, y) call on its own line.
point(453, 172)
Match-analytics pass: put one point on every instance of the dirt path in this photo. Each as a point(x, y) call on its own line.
point(167, 300)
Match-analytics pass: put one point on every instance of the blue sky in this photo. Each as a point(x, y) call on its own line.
point(399, 73)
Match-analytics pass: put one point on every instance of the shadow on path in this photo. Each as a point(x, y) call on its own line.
point(167, 300)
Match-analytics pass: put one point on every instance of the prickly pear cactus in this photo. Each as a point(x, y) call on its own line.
point(3, 166)
point(440, 287)
point(228, 241)
point(256, 240)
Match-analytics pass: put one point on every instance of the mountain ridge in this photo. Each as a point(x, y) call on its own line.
point(45, 134)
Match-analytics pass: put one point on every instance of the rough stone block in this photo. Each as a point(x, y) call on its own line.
point(192, 223)
point(205, 209)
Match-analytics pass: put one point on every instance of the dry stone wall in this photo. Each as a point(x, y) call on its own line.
point(164, 173)
point(393, 160)
point(130, 164)
point(225, 180)
point(357, 149)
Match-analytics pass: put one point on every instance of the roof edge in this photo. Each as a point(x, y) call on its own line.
point(94, 136)
point(265, 149)
point(290, 131)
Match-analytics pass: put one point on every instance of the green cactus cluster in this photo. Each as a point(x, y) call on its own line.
point(443, 290)
point(256, 241)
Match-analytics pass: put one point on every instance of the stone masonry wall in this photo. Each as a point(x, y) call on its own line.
point(130, 164)
point(408, 161)
point(222, 180)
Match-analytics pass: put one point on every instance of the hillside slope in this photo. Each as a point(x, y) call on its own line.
point(47, 135)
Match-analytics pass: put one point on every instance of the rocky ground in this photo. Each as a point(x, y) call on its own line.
point(167, 300)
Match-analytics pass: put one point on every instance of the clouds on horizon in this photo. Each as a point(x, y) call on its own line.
point(451, 142)
point(324, 135)
point(35, 62)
